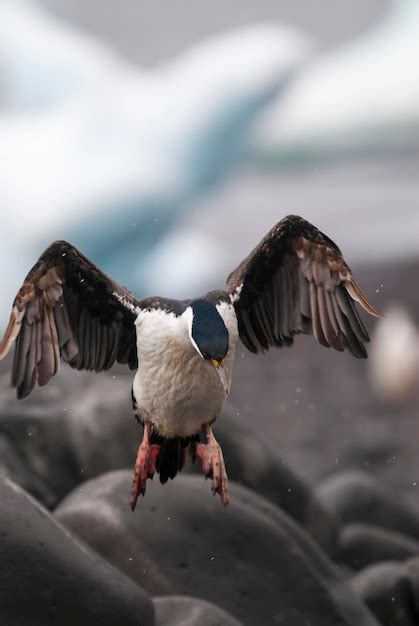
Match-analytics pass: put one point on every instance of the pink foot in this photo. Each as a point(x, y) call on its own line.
point(212, 460)
point(145, 465)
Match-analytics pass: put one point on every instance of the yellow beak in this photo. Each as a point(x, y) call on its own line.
point(222, 374)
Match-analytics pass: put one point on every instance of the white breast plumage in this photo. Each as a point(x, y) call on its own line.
point(174, 387)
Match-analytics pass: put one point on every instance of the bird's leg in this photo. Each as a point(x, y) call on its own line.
point(145, 465)
point(212, 460)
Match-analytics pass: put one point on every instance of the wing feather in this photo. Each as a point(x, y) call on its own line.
point(113, 354)
point(99, 343)
point(276, 288)
point(315, 316)
point(247, 333)
point(82, 337)
point(68, 309)
point(92, 346)
point(30, 374)
point(297, 281)
point(283, 310)
point(22, 348)
point(46, 365)
point(352, 342)
point(348, 309)
point(330, 312)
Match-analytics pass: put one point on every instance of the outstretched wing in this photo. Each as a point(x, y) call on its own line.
point(297, 281)
point(68, 308)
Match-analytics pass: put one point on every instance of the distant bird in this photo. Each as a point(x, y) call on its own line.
point(295, 281)
point(394, 362)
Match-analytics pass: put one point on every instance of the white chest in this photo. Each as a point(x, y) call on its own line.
point(174, 387)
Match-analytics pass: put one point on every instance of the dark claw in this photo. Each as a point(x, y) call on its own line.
point(192, 449)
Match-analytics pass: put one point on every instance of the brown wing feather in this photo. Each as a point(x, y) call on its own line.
point(68, 308)
point(297, 281)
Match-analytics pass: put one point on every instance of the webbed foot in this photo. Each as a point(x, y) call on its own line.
point(145, 465)
point(211, 457)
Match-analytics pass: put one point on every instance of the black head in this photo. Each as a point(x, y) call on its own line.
point(208, 331)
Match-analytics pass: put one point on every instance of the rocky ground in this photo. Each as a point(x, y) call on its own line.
point(322, 528)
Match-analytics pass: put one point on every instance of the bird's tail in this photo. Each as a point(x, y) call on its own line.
point(172, 453)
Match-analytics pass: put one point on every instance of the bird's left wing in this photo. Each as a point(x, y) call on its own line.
point(68, 308)
point(297, 281)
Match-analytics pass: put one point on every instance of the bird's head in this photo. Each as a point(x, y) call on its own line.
point(209, 335)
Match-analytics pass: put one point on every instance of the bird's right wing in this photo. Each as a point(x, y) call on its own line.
point(68, 308)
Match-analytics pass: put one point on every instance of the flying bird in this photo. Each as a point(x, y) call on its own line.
point(295, 281)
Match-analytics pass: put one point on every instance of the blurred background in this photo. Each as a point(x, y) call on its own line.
point(165, 138)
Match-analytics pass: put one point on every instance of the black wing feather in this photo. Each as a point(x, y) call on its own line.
point(297, 281)
point(68, 308)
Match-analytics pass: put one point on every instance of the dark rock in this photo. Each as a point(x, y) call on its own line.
point(253, 462)
point(77, 427)
point(47, 577)
point(391, 590)
point(81, 425)
point(386, 589)
point(365, 544)
point(185, 611)
point(252, 559)
point(411, 569)
point(34, 445)
point(354, 496)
